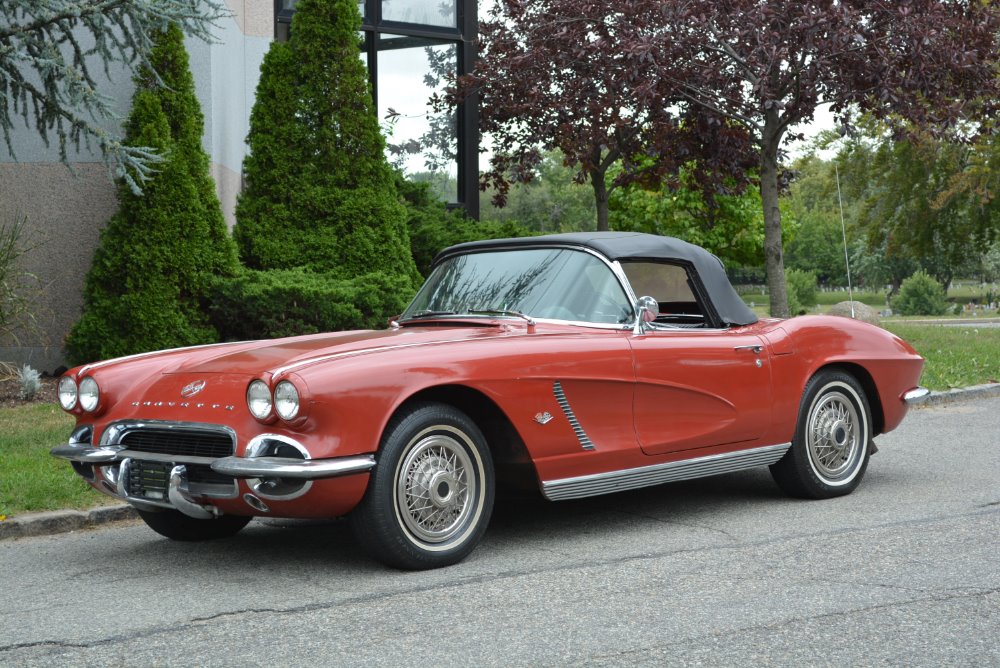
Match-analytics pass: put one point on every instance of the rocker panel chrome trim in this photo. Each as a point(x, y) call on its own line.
point(644, 476)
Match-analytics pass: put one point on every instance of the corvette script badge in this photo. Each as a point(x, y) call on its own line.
point(192, 389)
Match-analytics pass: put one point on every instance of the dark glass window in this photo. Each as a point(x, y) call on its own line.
point(558, 284)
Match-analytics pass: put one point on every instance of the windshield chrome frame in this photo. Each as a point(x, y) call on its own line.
point(614, 266)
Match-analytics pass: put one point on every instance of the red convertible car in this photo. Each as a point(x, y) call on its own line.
point(580, 364)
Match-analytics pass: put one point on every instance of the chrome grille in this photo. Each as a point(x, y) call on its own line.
point(153, 447)
point(179, 442)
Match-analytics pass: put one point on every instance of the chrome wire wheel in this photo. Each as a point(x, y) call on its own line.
point(436, 487)
point(836, 434)
point(430, 495)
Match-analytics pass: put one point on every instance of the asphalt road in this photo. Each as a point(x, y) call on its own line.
point(725, 571)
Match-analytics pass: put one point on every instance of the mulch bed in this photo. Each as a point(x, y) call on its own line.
point(10, 393)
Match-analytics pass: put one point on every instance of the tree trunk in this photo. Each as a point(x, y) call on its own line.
point(774, 261)
point(600, 199)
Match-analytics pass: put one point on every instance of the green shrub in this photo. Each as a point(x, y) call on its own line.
point(267, 304)
point(801, 290)
point(161, 249)
point(433, 226)
point(920, 295)
point(319, 191)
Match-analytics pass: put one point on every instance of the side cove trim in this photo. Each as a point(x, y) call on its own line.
point(581, 435)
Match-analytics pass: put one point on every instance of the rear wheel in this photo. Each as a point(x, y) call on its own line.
point(175, 525)
point(830, 451)
point(430, 496)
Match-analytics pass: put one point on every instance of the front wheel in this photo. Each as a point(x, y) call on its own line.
point(175, 525)
point(430, 496)
point(830, 451)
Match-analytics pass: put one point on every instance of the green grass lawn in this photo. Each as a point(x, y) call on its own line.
point(30, 478)
point(957, 356)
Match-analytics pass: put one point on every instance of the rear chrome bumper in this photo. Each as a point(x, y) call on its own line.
point(916, 396)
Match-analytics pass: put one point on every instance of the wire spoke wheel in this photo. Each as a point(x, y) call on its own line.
point(833, 439)
point(830, 452)
point(430, 496)
point(436, 488)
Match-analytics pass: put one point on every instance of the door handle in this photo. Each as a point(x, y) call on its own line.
point(755, 349)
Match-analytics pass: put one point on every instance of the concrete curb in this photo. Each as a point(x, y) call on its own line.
point(961, 394)
point(61, 521)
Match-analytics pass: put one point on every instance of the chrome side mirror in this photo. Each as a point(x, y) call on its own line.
point(646, 309)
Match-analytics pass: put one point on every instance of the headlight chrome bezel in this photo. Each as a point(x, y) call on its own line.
point(259, 395)
point(287, 400)
point(68, 388)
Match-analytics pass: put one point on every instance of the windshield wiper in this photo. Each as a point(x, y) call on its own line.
point(513, 314)
point(429, 314)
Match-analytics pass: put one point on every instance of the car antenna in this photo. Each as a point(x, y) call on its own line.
point(843, 229)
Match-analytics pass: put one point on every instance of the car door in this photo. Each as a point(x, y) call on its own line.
point(696, 389)
point(697, 384)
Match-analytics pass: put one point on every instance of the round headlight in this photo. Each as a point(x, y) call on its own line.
point(67, 393)
point(286, 400)
point(259, 399)
point(90, 394)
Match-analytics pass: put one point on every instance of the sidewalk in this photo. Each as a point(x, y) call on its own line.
point(62, 521)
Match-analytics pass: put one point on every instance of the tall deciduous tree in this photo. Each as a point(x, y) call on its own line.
point(320, 193)
point(768, 65)
point(927, 199)
point(553, 75)
point(159, 253)
point(48, 50)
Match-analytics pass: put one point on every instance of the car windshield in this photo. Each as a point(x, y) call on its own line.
point(560, 284)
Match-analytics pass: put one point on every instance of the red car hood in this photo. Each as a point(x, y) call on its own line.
point(301, 351)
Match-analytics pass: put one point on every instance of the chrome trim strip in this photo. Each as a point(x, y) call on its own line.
point(288, 467)
point(644, 476)
point(84, 452)
point(917, 395)
point(581, 435)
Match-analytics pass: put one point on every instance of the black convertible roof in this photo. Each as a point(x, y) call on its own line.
point(637, 246)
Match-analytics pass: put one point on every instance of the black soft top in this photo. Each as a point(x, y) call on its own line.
point(624, 246)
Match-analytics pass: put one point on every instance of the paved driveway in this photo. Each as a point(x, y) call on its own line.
point(726, 571)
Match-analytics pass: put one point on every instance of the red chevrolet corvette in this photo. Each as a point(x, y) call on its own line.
point(580, 364)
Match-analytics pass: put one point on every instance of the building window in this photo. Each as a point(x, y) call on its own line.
point(411, 48)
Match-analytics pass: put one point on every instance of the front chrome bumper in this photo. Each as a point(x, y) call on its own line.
point(237, 467)
point(193, 496)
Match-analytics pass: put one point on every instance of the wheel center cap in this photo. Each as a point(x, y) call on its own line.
point(443, 488)
point(839, 433)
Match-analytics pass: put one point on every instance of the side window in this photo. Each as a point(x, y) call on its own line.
point(668, 284)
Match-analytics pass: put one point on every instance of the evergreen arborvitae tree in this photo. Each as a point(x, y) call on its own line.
point(161, 249)
point(319, 191)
